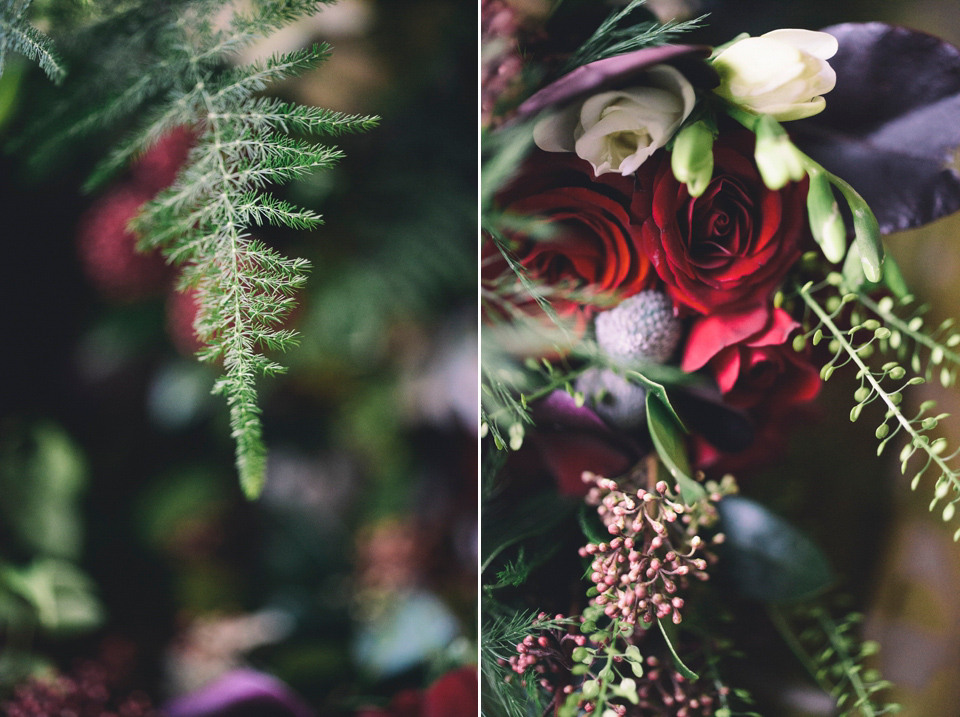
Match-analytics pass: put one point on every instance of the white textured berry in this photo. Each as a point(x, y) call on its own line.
point(641, 327)
point(615, 399)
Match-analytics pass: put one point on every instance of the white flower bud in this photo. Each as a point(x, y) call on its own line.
point(783, 73)
point(617, 130)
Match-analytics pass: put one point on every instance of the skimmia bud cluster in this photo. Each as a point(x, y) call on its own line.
point(653, 553)
point(666, 691)
point(549, 656)
point(84, 694)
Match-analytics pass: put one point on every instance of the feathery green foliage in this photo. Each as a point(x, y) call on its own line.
point(18, 35)
point(616, 37)
point(182, 78)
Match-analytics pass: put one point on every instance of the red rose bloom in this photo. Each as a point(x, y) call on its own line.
point(748, 354)
point(757, 371)
point(593, 252)
point(731, 246)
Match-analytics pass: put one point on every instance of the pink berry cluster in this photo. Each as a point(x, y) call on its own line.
point(664, 691)
point(652, 555)
point(550, 655)
point(84, 694)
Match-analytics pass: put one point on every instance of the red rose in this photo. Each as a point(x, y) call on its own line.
point(757, 371)
point(748, 354)
point(731, 246)
point(592, 253)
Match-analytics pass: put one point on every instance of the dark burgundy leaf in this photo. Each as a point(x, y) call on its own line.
point(616, 71)
point(572, 439)
point(892, 125)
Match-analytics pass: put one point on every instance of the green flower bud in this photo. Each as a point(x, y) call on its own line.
point(778, 160)
point(692, 158)
point(826, 224)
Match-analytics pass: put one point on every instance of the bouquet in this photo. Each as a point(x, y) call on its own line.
point(681, 244)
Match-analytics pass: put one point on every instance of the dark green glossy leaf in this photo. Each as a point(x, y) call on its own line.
point(677, 662)
point(668, 440)
point(765, 557)
point(505, 524)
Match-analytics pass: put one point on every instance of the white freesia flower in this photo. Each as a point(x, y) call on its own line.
point(783, 73)
point(617, 130)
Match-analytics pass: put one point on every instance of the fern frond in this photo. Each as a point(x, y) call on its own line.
point(243, 288)
point(886, 385)
point(615, 37)
point(18, 35)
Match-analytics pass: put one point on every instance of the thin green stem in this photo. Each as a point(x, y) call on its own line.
point(899, 324)
point(866, 373)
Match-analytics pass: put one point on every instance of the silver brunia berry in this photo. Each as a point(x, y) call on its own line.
point(642, 327)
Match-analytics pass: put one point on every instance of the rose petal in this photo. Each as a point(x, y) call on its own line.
point(710, 334)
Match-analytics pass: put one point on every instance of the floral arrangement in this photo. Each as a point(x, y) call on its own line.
point(680, 244)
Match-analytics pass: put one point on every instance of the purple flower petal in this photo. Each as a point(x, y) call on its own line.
point(613, 71)
point(241, 693)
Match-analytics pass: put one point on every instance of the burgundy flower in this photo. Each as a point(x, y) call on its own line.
point(453, 695)
point(730, 247)
point(107, 248)
point(591, 254)
point(749, 356)
point(572, 439)
point(158, 166)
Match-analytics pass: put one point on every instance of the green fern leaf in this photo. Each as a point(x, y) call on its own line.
point(18, 35)
point(244, 289)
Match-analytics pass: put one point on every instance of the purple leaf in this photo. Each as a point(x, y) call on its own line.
point(892, 125)
point(616, 72)
point(572, 439)
point(241, 693)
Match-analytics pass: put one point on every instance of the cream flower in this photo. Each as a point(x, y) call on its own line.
point(783, 73)
point(617, 130)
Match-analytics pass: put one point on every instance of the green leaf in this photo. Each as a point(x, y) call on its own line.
point(593, 529)
point(765, 557)
point(507, 524)
point(677, 662)
point(667, 439)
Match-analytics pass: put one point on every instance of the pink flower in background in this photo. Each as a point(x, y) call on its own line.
point(108, 249)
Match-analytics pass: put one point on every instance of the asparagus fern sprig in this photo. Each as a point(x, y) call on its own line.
point(18, 35)
point(244, 289)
